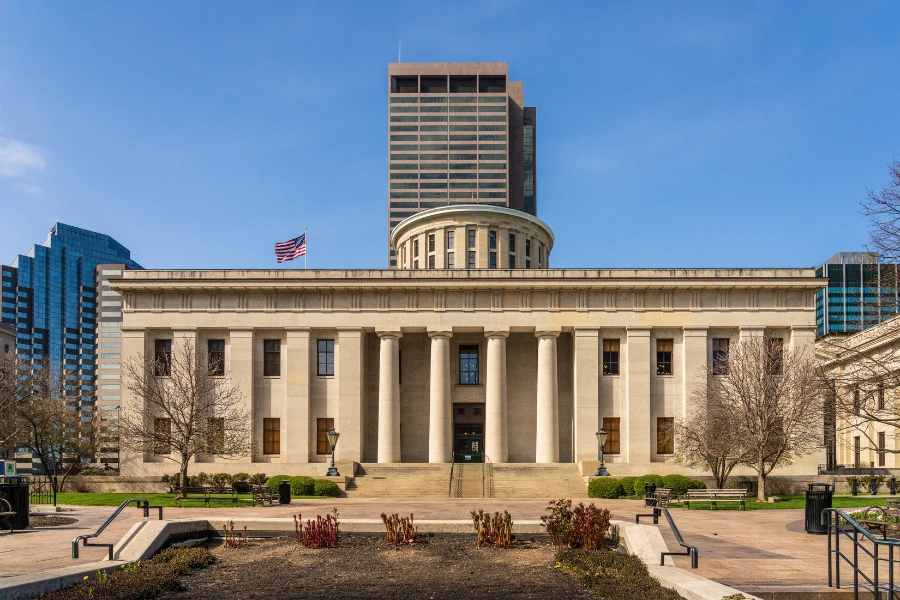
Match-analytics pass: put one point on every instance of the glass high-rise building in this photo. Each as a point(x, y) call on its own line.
point(861, 292)
point(459, 133)
point(50, 295)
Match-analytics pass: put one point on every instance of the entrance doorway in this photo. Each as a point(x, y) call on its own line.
point(468, 433)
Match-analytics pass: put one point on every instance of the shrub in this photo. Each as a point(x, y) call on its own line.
point(220, 480)
point(321, 533)
point(326, 487)
point(640, 481)
point(580, 527)
point(273, 481)
point(627, 485)
point(609, 574)
point(493, 531)
point(400, 530)
point(680, 484)
point(257, 479)
point(605, 487)
point(302, 486)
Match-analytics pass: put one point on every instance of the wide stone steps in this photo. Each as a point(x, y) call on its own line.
point(510, 480)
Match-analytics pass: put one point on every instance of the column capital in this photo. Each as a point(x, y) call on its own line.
point(440, 333)
point(389, 334)
point(496, 333)
point(753, 329)
point(547, 333)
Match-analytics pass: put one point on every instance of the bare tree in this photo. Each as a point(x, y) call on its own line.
point(706, 439)
point(56, 426)
point(13, 389)
point(182, 405)
point(882, 207)
point(771, 398)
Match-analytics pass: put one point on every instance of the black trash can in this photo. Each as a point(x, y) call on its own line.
point(818, 498)
point(14, 489)
point(892, 485)
point(284, 492)
point(649, 490)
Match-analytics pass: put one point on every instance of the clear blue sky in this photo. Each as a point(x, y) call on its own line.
point(669, 134)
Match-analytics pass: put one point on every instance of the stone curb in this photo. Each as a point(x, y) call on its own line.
point(25, 586)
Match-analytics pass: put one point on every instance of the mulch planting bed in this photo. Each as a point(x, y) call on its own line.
point(363, 566)
point(49, 521)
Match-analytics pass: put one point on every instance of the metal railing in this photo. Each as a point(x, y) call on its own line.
point(840, 524)
point(452, 465)
point(140, 502)
point(487, 490)
point(40, 492)
point(689, 549)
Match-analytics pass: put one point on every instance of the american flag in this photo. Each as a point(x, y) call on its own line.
point(290, 249)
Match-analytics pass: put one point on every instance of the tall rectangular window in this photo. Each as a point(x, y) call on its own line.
point(431, 242)
point(163, 357)
point(471, 234)
point(215, 435)
point(857, 452)
point(451, 264)
point(431, 261)
point(271, 436)
point(325, 349)
point(415, 248)
point(215, 355)
point(611, 426)
point(492, 240)
point(272, 358)
point(610, 357)
point(881, 448)
point(468, 365)
point(512, 261)
point(512, 242)
point(665, 435)
point(664, 357)
point(774, 355)
point(471, 263)
point(879, 397)
point(492, 260)
point(162, 429)
point(720, 356)
point(528, 248)
point(450, 240)
point(323, 426)
point(857, 404)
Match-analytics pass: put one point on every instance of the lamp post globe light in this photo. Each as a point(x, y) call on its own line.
point(601, 439)
point(332, 437)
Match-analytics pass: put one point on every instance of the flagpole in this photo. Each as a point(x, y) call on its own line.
point(306, 241)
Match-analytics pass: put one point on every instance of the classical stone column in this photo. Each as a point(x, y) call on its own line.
point(547, 448)
point(350, 374)
point(440, 424)
point(295, 443)
point(496, 445)
point(389, 397)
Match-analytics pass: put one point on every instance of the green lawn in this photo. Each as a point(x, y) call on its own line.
point(787, 502)
point(165, 500)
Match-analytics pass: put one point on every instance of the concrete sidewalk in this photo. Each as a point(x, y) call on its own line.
point(754, 551)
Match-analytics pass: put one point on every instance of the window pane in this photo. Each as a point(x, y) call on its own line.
point(611, 426)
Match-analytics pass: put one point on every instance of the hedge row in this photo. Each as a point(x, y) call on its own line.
point(305, 486)
point(608, 487)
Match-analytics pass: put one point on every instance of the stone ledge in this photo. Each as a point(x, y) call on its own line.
point(26, 586)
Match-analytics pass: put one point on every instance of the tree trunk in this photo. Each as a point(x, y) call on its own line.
point(183, 476)
point(761, 482)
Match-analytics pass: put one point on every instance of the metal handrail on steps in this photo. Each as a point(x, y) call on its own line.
point(450, 486)
point(488, 464)
point(832, 518)
point(689, 549)
point(140, 502)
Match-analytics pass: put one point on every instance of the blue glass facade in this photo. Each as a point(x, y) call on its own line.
point(50, 296)
point(860, 292)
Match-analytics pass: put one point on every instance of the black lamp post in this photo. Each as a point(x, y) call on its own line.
point(601, 439)
point(332, 437)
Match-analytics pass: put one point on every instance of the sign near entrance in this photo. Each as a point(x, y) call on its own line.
point(468, 457)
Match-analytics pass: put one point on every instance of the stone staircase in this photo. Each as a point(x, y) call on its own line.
point(510, 480)
point(413, 480)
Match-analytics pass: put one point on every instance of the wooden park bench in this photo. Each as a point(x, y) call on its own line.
point(203, 493)
point(881, 518)
point(715, 496)
point(6, 514)
point(662, 497)
point(261, 494)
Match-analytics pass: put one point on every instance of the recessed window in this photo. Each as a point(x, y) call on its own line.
point(512, 243)
point(468, 365)
point(450, 240)
point(163, 358)
point(720, 356)
point(664, 357)
point(611, 426)
point(162, 429)
point(431, 242)
point(450, 261)
point(460, 411)
point(415, 248)
point(857, 452)
point(215, 353)
point(665, 435)
point(492, 260)
point(492, 240)
point(271, 436)
point(325, 360)
point(471, 259)
point(881, 448)
point(879, 397)
point(215, 435)
point(416, 264)
point(610, 357)
point(431, 261)
point(471, 234)
point(528, 247)
point(272, 358)
point(323, 426)
point(512, 261)
point(774, 355)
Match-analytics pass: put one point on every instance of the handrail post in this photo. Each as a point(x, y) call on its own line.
point(855, 564)
point(829, 530)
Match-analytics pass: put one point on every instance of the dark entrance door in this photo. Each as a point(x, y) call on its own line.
point(469, 445)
